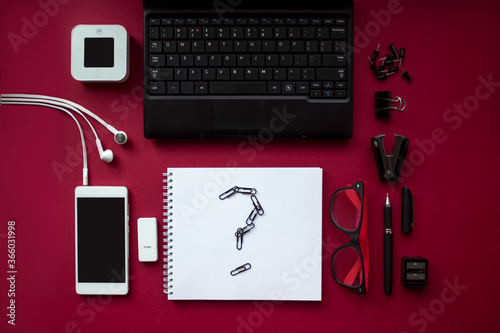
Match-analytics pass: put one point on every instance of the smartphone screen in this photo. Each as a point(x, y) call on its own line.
point(101, 247)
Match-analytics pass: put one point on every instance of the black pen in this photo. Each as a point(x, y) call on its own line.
point(387, 246)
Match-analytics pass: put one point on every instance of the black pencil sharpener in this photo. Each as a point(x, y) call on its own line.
point(414, 272)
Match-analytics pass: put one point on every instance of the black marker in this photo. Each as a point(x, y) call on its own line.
point(387, 246)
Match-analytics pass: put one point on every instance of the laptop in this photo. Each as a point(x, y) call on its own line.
point(238, 69)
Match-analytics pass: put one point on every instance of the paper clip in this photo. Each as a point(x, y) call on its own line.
point(245, 190)
point(239, 238)
point(239, 234)
point(228, 193)
point(247, 228)
point(241, 269)
point(252, 216)
point(257, 205)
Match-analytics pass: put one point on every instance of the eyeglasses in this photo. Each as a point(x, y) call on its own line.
point(350, 262)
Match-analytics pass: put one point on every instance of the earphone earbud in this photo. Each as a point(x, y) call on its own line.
point(120, 137)
point(106, 155)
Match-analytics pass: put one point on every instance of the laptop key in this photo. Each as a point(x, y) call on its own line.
point(288, 88)
point(155, 46)
point(209, 74)
point(184, 47)
point(157, 88)
point(167, 21)
point(274, 88)
point(157, 60)
point(194, 74)
point(195, 33)
point(340, 22)
point(201, 88)
point(181, 33)
point(330, 74)
point(223, 74)
point(326, 46)
point(154, 21)
point(315, 93)
point(315, 85)
point(172, 60)
point(162, 74)
point(340, 85)
point(339, 46)
point(328, 93)
point(237, 74)
point(340, 93)
point(322, 33)
point(167, 33)
point(181, 74)
point(170, 47)
point(238, 88)
point(173, 88)
point(154, 32)
point(334, 60)
point(339, 33)
point(303, 88)
point(187, 88)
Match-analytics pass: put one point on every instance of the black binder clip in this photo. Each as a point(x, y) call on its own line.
point(389, 166)
point(383, 100)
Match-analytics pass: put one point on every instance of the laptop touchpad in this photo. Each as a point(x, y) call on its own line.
point(239, 114)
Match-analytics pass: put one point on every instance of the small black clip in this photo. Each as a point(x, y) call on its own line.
point(257, 205)
point(252, 216)
point(228, 193)
point(246, 229)
point(241, 269)
point(389, 166)
point(240, 232)
point(239, 238)
point(245, 190)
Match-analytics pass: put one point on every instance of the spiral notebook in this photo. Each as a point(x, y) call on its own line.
point(242, 233)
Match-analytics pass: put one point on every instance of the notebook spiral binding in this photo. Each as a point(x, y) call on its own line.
point(167, 234)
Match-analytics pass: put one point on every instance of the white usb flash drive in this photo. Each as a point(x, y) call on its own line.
point(147, 239)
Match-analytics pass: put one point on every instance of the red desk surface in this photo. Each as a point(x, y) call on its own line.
point(452, 121)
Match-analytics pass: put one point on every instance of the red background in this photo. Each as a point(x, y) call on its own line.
point(449, 45)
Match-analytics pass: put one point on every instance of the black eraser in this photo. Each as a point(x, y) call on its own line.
point(406, 210)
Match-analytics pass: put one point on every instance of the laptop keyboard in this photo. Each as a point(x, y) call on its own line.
point(248, 56)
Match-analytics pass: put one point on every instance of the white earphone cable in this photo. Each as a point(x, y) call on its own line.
point(120, 137)
point(84, 148)
point(107, 156)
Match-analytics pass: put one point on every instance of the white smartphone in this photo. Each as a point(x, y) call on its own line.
point(101, 239)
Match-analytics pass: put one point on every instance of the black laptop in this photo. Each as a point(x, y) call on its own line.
point(240, 68)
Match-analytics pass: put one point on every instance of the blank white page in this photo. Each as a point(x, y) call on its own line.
point(284, 247)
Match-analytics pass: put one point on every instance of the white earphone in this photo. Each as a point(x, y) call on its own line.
point(64, 105)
